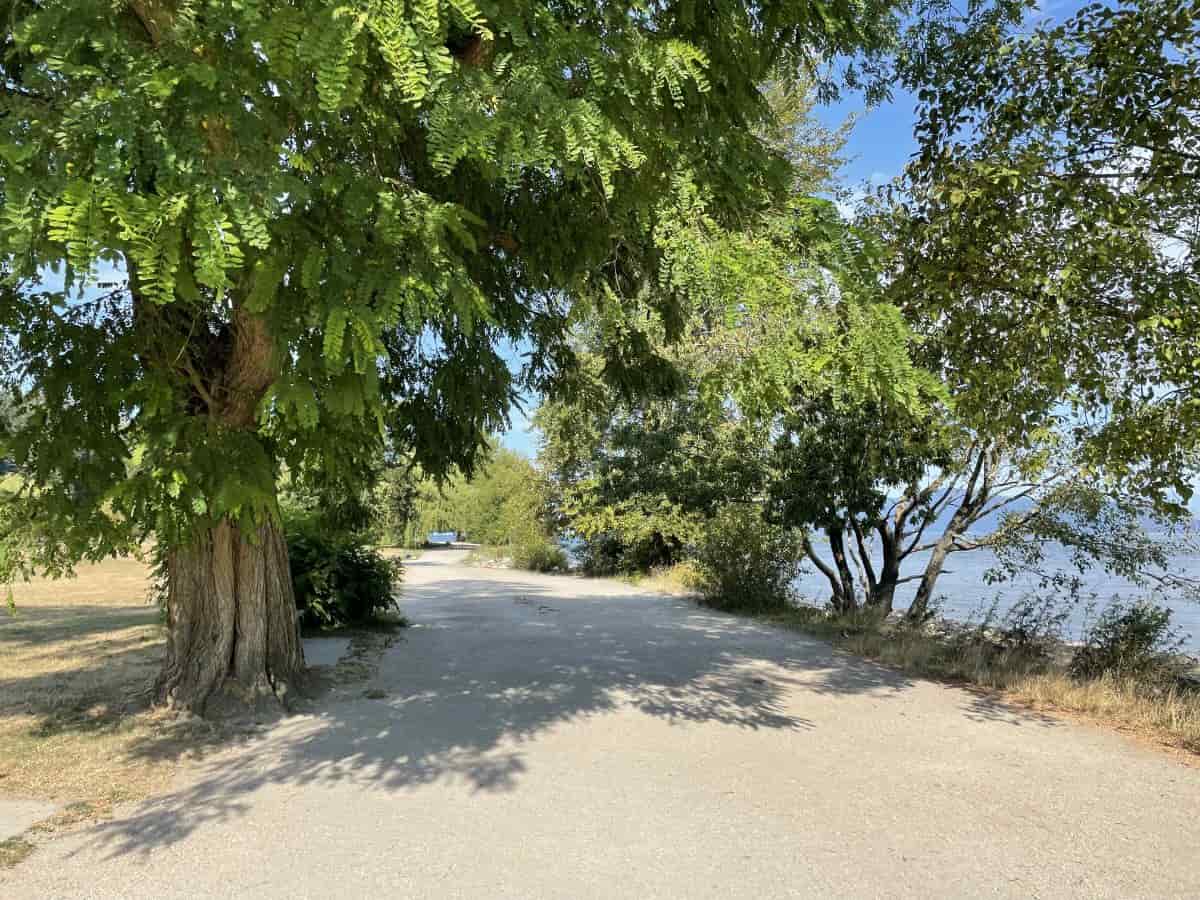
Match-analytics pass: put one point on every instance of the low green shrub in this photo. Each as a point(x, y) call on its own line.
point(541, 556)
point(1130, 640)
point(603, 556)
point(746, 563)
point(337, 578)
point(1024, 638)
point(638, 548)
point(1035, 624)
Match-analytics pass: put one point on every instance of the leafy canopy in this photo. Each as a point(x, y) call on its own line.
point(1047, 232)
point(235, 232)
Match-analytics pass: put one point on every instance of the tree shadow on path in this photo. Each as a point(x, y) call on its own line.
point(490, 665)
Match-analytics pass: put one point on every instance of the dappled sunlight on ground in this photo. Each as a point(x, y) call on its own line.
point(492, 663)
point(524, 723)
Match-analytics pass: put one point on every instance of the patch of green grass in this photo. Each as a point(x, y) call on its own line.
point(13, 851)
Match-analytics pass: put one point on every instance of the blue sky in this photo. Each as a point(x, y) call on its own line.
point(521, 437)
point(882, 139)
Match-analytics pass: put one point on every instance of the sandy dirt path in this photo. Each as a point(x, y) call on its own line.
point(537, 736)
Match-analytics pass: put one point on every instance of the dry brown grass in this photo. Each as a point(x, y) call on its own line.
point(77, 662)
point(1165, 716)
point(1169, 716)
point(681, 580)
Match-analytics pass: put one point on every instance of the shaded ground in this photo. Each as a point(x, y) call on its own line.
point(78, 658)
point(543, 736)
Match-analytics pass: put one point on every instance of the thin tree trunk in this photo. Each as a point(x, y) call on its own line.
point(959, 522)
point(835, 584)
point(232, 631)
point(837, 545)
point(919, 609)
point(975, 497)
point(866, 571)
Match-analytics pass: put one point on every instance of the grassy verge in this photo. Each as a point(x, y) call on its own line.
point(1165, 714)
point(13, 850)
point(77, 662)
point(544, 557)
point(682, 579)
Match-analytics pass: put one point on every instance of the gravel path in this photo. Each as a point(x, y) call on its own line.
point(553, 737)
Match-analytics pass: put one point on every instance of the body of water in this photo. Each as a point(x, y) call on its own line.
point(964, 593)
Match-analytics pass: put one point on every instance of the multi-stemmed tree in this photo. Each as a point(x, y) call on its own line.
point(1042, 250)
point(1046, 250)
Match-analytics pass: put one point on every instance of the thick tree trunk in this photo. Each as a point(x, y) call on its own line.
point(883, 597)
point(881, 587)
point(231, 611)
point(232, 631)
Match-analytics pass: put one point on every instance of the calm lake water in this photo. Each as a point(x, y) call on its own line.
point(964, 593)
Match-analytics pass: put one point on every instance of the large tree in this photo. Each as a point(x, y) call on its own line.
point(1048, 242)
point(787, 344)
point(236, 233)
point(1045, 243)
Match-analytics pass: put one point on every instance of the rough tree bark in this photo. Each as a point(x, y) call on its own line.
point(231, 620)
point(231, 610)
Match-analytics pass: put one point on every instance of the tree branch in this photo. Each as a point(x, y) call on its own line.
point(865, 563)
point(156, 16)
point(822, 566)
